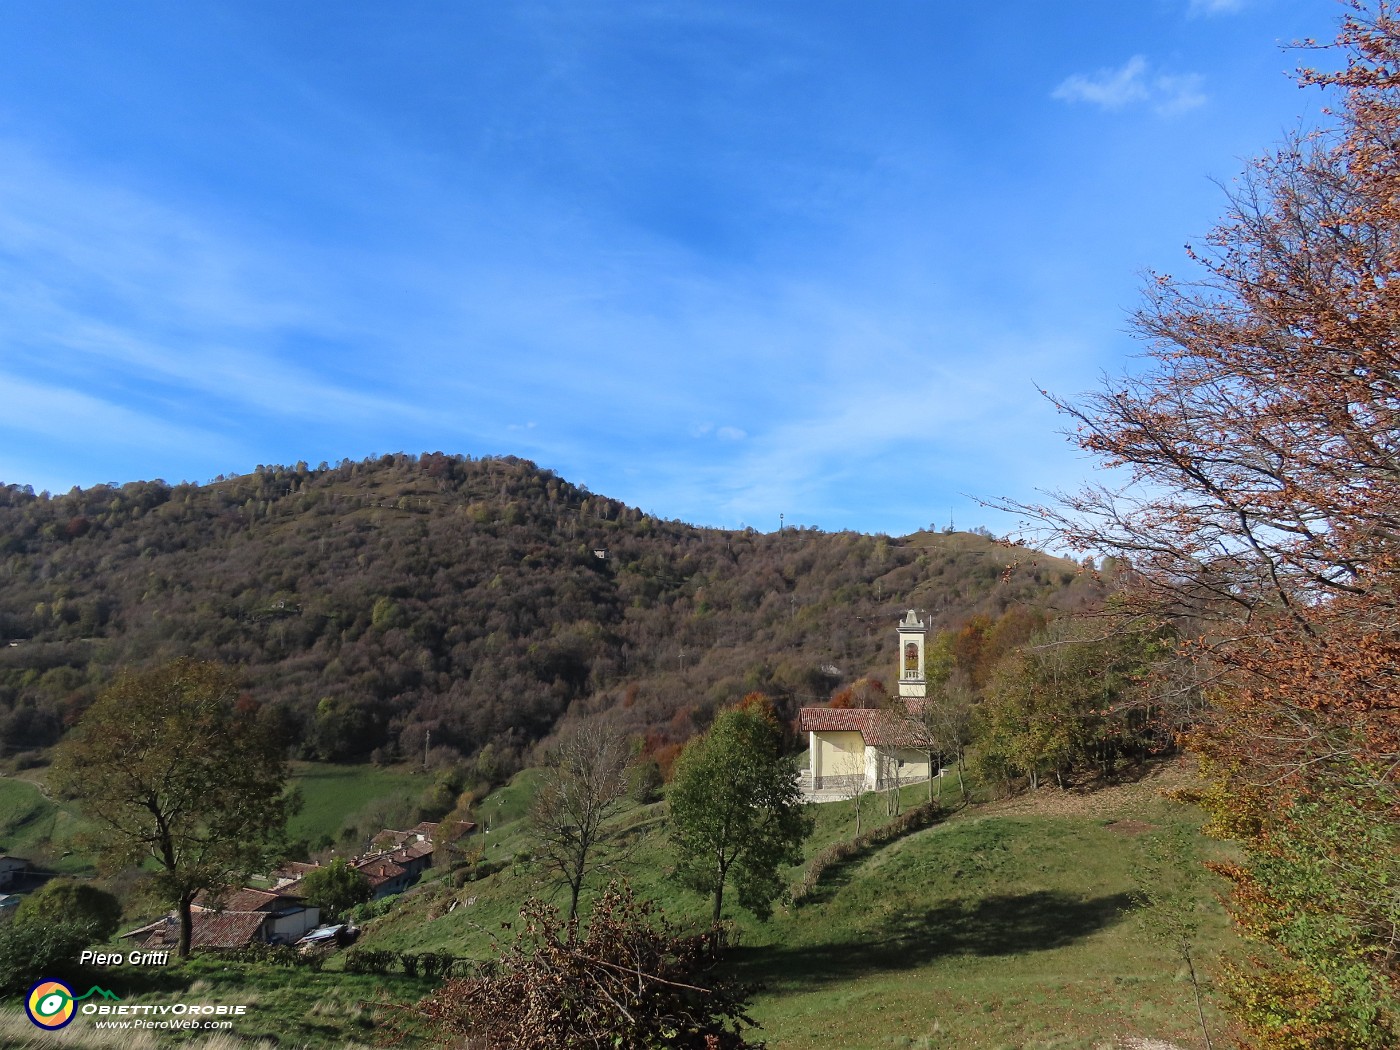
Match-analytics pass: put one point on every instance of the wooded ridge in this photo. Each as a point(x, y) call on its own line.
point(406, 603)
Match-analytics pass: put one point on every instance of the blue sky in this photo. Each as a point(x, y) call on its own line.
point(718, 260)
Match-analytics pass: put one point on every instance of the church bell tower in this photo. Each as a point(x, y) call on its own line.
point(911, 657)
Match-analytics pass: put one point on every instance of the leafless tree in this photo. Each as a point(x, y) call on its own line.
point(854, 786)
point(586, 781)
point(946, 719)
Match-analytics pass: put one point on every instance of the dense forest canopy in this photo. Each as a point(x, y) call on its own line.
point(406, 602)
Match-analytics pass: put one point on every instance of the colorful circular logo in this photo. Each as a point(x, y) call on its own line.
point(50, 1004)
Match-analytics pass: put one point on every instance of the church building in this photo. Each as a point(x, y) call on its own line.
point(873, 748)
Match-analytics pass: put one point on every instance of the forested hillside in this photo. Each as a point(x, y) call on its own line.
point(479, 601)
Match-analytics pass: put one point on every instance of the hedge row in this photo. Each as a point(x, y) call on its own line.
point(428, 964)
point(920, 816)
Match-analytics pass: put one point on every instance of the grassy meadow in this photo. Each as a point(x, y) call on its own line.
point(335, 797)
point(1005, 924)
point(40, 830)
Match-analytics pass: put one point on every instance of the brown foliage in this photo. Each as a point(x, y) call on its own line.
point(631, 981)
point(1259, 508)
point(1260, 446)
point(453, 597)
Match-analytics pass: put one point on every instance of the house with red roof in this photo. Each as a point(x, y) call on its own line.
point(233, 919)
point(424, 836)
point(385, 875)
point(290, 873)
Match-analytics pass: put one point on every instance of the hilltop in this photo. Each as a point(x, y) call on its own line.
point(404, 603)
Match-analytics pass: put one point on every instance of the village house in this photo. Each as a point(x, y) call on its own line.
point(385, 876)
point(428, 832)
point(239, 917)
point(234, 920)
point(290, 872)
point(11, 868)
point(852, 749)
point(399, 860)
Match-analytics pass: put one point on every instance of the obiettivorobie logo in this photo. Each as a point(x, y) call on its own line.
point(51, 1004)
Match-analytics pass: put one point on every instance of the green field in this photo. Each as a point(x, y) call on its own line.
point(986, 932)
point(39, 830)
point(1007, 925)
point(333, 795)
point(1003, 925)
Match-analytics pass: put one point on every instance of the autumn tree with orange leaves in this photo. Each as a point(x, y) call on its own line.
point(1259, 450)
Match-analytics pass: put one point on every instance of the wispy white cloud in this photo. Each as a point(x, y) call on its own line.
point(725, 433)
point(1215, 7)
point(1134, 82)
point(106, 290)
point(59, 414)
point(1107, 88)
point(1178, 93)
point(696, 246)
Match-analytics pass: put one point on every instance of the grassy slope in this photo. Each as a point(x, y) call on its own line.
point(987, 932)
point(286, 1007)
point(292, 1007)
point(33, 827)
point(333, 794)
point(1005, 926)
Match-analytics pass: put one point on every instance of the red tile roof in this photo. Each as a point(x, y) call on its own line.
point(877, 728)
point(380, 870)
point(426, 831)
point(292, 889)
point(227, 929)
point(836, 719)
point(242, 899)
point(294, 869)
point(150, 927)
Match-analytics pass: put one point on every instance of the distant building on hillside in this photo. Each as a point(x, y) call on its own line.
point(11, 868)
point(395, 859)
point(851, 748)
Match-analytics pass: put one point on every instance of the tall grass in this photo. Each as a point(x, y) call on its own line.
point(17, 1033)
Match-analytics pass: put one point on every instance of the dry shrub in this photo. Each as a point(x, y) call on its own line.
point(631, 981)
